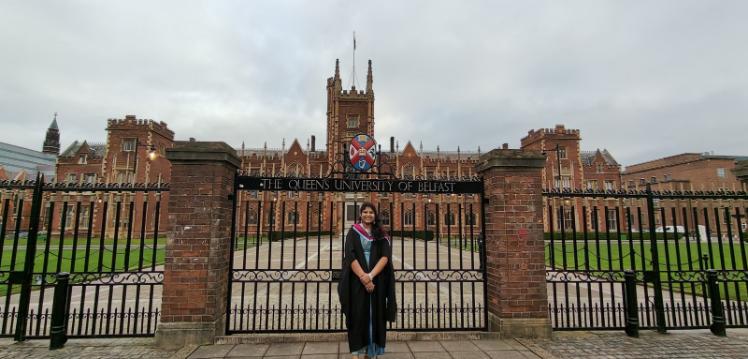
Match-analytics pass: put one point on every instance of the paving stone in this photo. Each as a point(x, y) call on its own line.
point(432, 355)
point(282, 357)
point(401, 355)
point(496, 345)
point(469, 355)
point(510, 354)
point(248, 350)
point(321, 348)
point(425, 346)
point(459, 346)
point(319, 356)
point(396, 347)
point(211, 351)
point(277, 349)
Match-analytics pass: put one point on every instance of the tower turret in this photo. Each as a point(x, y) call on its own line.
point(52, 140)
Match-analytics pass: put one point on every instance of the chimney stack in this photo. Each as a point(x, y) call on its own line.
point(313, 147)
point(392, 144)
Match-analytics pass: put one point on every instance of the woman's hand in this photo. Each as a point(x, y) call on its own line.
point(369, 287)
point(365, 279)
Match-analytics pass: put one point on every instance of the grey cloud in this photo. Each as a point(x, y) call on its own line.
point(644, 79)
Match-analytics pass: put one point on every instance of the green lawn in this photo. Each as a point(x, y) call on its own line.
point(671, 257)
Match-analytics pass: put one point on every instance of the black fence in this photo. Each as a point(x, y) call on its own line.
point(669, 241)
point(288, 240)
point(106, 237)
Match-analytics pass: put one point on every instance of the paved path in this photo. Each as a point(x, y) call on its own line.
point(675, 344)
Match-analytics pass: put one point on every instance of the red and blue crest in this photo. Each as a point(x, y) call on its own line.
point(362, 153)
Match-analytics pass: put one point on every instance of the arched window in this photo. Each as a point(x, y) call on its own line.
point(430, 218)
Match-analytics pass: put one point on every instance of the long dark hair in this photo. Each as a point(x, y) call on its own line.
point(377, 231)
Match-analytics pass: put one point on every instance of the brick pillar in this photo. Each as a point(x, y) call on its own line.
point(515, 261)
point(193, 308)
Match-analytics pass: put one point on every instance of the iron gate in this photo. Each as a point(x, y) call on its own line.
point(288, 238)
point(106, 236)
point(670, 242)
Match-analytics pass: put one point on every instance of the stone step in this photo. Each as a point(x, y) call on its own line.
point(248, 338)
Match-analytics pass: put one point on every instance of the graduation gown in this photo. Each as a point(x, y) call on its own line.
point(355, 300)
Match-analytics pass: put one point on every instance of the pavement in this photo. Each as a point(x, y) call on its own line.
point(674, 344)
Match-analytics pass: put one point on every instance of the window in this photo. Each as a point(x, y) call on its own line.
point(353, 121)
point(470, 219)
point(430, 218)
point(565, 219)
point(599, 168)
point(292, 194)
point(592, 184)
point(89, 178)
point(408, 172)
point(294, 170)
point(408, 218)
point(565, 182)
point(70, 218)
point(82, 159)
point(83, 223)
point(124, 176)
point(653, 179)
point(667, 177)
point(72, 178)
point(612, 219)
point(292, 217)
point(351, 212)
point(129, 144)
point(610, 185)
point(449, 218)
point(631, 184)
point(252, 217)
point(721, 172)
point(271, 218)
point(642, 181)
point(385, 217)
point(562, 153)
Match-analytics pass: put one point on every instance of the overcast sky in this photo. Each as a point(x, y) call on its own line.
point(644, 79)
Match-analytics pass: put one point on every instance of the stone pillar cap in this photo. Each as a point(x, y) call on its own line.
point(202, 151)
point(505, 157)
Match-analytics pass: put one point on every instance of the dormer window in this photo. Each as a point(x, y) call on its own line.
point(128, 144)
point(353, 121)
point(599, 168)
point(82, 159)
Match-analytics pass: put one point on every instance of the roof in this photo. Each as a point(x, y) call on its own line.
point(15, 159)
point(588, 157)
point(95, 150)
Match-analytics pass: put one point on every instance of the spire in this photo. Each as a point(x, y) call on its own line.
point(53, 125)
point(52, 139)
point(369, 79)
point(337, 69)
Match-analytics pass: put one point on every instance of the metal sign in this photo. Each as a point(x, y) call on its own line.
point(362, 152)
point(358, 185)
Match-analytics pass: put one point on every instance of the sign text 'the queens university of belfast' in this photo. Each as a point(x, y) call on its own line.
point(357, 185)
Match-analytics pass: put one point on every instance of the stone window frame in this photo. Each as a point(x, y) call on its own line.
point(353, 121)
point(129, 144)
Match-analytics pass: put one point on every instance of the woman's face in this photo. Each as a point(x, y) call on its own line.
point(367, 216)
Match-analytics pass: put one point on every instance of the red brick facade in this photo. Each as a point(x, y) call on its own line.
point(515, 251)
point(198, 248)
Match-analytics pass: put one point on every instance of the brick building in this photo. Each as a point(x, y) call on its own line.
point(351, 112)
point(133, 155)
point(596, 170)
point(685, 172)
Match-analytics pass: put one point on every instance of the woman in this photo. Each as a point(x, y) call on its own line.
point(367, 285)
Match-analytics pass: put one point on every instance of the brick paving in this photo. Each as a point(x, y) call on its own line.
point(675, 344)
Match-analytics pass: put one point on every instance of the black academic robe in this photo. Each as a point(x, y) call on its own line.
point(355, 300)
